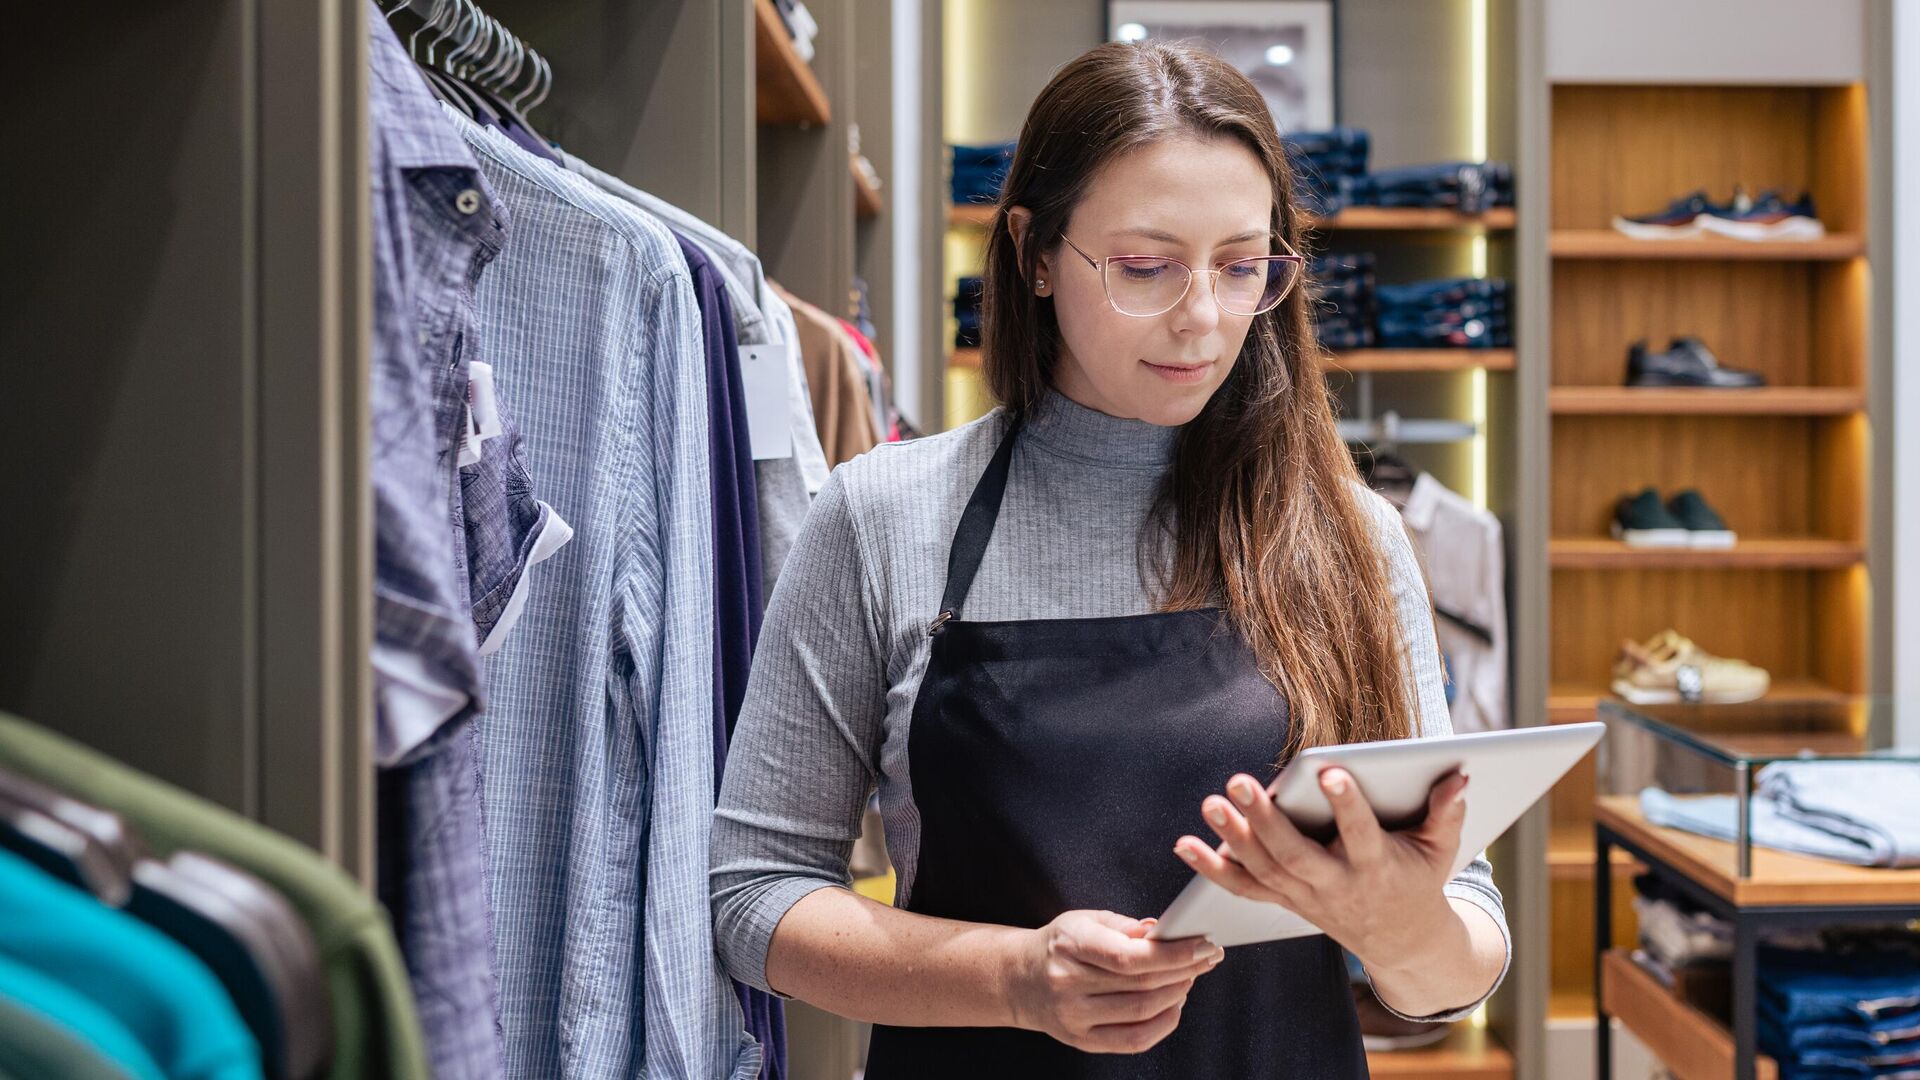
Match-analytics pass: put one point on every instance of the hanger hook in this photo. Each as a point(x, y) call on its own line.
point(546, 83)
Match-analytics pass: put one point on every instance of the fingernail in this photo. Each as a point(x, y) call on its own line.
point(1216, 815)
point(1186, 853)
point(1242, 792)
point(1336, 784)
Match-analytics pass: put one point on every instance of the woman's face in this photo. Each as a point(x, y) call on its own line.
point(1204, 201)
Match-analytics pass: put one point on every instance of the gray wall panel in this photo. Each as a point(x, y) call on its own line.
point(1775, 42)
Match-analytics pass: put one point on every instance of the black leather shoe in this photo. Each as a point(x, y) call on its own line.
point(1687, 362)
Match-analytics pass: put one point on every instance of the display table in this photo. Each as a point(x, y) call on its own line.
point(1696, 749)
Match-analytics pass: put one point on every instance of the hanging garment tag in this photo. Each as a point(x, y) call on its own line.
point(763, 368)
point(483, 412)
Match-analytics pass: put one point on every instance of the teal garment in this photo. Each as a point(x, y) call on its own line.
point(161, 992)
point(27, 995)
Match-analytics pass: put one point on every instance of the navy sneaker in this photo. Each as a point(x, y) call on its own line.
point(1687, 362)
point(1643, 521)
point(1705, 528)
point(1769, 217)
point(1682, 217)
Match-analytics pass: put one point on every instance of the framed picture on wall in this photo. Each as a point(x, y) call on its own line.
point(1285, 46)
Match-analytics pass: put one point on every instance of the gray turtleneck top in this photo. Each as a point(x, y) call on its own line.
point(844, 642)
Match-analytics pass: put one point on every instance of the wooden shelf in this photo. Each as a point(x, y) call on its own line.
point(1368, 218)
point(1570, 855)
point(1467, 1053)
point(1573, 704)
point(1687, 1041)
point(1697, 401)
point(1412, 219)
point(971, 216)
point(866, 198)
point(1759, 553)
point(964, 358)
point(1778, 878)
point(1608, 244)
point(1405, 360)
point(785, 89)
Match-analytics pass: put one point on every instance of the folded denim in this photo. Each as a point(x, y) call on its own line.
point(1443, 290)
point(1338, 140)
point(968, 154)
point(1337, 340)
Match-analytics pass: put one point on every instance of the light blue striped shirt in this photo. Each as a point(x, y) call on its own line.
point(598, 748)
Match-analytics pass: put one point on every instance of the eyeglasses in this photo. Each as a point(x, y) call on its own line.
point(1147, 285)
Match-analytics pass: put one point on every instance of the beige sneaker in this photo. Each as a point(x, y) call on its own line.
point(1671, 670)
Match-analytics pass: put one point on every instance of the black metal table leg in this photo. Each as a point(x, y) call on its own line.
point(1602, 941)
point(1746, 962)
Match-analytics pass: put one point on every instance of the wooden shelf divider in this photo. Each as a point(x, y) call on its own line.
point(973, 216)
point(1699, 401)
point(1608, 244)
point(1687, 1041)
point(1573, 704)
point(1759, 553)
point(1354, 218)
point(964, 358)
point(1467, 1053)
point(1413, 219)
point(1412, 360)
point(785, 88)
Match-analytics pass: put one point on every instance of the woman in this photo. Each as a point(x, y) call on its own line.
point(1052, 636)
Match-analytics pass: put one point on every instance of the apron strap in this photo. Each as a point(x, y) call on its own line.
point(976, 528)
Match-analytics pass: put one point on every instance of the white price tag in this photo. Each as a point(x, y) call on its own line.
point(763, 368)
point(483, 412)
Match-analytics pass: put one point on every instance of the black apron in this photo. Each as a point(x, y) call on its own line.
point(1054, 764)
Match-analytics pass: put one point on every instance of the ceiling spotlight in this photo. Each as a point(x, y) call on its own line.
point(1132, 31)
point(1280, 55)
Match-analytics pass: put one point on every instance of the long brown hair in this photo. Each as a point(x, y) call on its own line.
point(1260, 508)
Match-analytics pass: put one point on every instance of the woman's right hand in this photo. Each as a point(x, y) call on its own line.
point(1093, 980)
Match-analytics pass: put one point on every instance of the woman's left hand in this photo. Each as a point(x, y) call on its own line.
point(1376, 892)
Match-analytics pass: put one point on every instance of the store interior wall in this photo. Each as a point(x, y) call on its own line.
point(1906, 369)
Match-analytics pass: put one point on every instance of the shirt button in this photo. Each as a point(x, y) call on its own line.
point(467, 201)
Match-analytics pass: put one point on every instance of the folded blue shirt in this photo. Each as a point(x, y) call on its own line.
point(157, 990)
point(69, 1010)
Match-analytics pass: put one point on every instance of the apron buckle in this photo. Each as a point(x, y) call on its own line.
point(939, 621)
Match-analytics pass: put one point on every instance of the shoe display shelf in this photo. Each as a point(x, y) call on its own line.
point(1755, 890)
point(1784, 464)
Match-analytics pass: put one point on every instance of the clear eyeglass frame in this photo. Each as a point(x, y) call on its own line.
point(1292, 259)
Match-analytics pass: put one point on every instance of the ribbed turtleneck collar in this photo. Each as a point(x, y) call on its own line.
point(1070, 428)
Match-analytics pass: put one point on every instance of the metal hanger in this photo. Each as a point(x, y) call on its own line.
point(255, 943)
point(79, 844)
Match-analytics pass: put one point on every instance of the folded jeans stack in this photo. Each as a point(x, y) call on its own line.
point(1861, 812)
point(1466, 186)
point(1824, 1016)
point(978, 172)
point(1343, 303)
point(966, 309)
point(1449, 312)
point(1328, 167)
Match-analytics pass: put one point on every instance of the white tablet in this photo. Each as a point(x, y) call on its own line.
point(1510, 770)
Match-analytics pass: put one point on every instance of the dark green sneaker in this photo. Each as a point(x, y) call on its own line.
point(1705, 529)
point(1643, 521)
